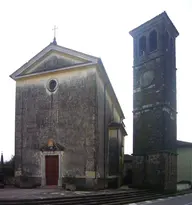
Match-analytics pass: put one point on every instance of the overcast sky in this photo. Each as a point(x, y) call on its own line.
point(100, 28)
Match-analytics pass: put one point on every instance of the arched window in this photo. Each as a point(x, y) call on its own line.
point(142, 45)
point(166, 40)
point(153, 40)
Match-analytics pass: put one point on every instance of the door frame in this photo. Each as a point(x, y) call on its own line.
point(43, 166)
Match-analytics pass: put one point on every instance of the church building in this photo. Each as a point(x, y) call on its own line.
point(69, 126)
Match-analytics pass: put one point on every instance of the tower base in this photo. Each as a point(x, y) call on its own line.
point(155, 171)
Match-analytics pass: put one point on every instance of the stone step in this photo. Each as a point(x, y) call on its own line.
point(116, 198)
point(110, 200)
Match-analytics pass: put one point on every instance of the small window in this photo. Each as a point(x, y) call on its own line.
point(142, 45)
point(153, 41)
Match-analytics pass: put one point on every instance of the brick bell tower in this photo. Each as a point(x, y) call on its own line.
point(154, 105)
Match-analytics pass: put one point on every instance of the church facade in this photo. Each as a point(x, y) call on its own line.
point(68, 122)
point(154, 105)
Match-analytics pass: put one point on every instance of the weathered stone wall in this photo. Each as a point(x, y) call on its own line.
point(107, 113)
point(170, 126)
point(113, 153)
point(154, 129)
point(101, 132)
point(154, 103)
point(170, 172)
point(76, 116)
point(121, 152)
point(148, 130)
point(68, 116)
point(138, 171)
point(155, 171)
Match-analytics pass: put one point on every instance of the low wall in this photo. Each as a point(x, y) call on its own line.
point(181, 187)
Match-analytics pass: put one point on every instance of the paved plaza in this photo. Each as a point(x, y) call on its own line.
point(42, 193)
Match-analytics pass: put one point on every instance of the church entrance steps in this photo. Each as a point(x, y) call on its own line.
point(50, 187)
point(58, 197)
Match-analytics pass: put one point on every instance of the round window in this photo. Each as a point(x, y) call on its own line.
point(52, 85)
point(147, 78)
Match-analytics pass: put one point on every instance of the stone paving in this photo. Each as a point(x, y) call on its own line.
point(42, 193)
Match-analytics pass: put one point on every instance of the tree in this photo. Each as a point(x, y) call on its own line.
point(9, 167)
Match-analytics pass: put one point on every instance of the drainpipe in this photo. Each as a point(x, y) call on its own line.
point(105, 133)
point(2, 164)
point(190, 171)
point(51, 118)
point(22, 113)
point(96, 134)
point(104, 118)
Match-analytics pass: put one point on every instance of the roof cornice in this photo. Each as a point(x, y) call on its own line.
point(55, 71)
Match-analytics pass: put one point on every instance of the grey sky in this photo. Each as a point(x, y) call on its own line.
point(96, 27)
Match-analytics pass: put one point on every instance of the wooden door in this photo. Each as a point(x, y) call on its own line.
point(52, 170)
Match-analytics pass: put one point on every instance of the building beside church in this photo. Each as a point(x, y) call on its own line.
point(184, 161)
point(154, 105)
point(68, 122)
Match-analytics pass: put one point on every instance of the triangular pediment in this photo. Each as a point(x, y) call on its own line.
point(51, 59)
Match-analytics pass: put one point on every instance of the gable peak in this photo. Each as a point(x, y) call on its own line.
point(54, 41)
point(70, 57)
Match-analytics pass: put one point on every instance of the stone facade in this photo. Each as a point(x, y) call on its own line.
point(154, 105)
point(74, 115)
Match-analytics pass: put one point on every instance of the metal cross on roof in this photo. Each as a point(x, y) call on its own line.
point(54, 39)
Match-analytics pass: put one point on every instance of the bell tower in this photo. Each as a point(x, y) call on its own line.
point(154, 104)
